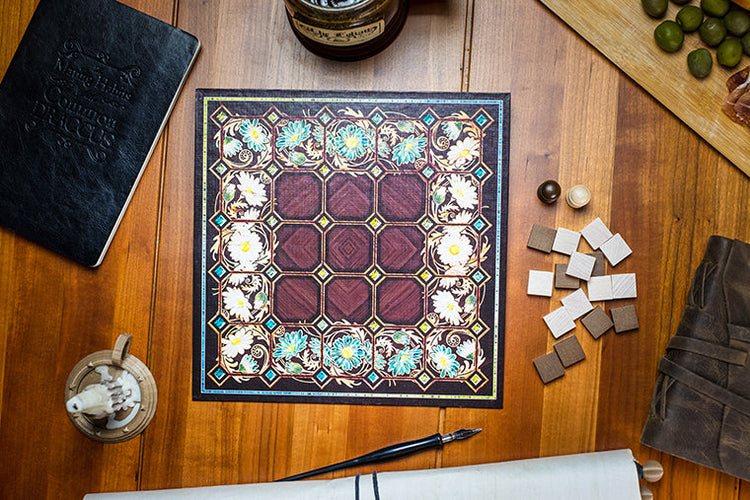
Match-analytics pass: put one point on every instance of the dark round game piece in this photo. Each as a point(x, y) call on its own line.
point(548, 191)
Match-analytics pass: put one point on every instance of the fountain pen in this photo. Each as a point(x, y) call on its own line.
point(390, 452)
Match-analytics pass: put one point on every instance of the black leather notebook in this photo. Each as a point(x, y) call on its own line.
point(82, 105)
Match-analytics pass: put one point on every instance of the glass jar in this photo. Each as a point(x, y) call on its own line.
point(346, 29)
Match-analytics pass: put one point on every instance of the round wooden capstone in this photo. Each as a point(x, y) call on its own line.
point(122, 424)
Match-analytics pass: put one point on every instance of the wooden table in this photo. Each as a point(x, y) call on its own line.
point(575, 118)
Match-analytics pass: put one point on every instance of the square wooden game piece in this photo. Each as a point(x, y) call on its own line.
point(577, 304)
point(615, 249)
point(566, 241)
point(559, 322)
point(541, 238)
point(596, 233)
point(569, 351)
point(540, 283)
point(549, 367)
point(600, 288)
point(600, 266)
point(562, 280)
point(624, 318)
point(623, 286)
point(597, 322)
point(580, 266)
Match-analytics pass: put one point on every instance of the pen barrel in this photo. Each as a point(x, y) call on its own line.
point(399, 450)
point(387, 453)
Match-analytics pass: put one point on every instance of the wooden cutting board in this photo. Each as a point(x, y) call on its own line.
point(622, 31)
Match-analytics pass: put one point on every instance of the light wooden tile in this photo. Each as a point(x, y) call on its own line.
point(566, 241)
point(596, 233)
point(540, 283)
point(615, 249)
point(623, 286)
point(559, 322)
point(580, 266)
point(577, 304)
point(600, 288)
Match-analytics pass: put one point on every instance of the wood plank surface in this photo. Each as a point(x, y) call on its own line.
point(623, 32)
point(575, 118)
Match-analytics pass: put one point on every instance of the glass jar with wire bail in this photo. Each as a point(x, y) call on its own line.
point(346, 30)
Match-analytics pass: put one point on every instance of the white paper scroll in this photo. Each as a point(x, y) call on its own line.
point(607, 475)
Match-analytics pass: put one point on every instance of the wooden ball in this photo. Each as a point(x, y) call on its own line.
point(646, 493)
point(578, 196)
point(652, 471)
point(548, 191)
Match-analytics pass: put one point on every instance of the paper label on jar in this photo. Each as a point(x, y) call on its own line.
point(341, 38)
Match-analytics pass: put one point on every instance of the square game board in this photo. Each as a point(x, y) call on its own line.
point(350, 247)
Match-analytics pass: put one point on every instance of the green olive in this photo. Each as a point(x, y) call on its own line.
point(669, 36)
point(715, 8)
point(745, 41)
point(729, 52)
point(654, 8)
point(712, 31)
point(737, 22)
point(700, 62)
point(689, 18)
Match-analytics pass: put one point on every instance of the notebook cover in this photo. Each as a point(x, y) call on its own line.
point(350, 247)
point(82, 105)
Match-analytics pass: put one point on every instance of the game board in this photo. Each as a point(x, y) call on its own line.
point(350, 247)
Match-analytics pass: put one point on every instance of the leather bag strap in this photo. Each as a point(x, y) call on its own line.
point(708, 349)
point(705, 386)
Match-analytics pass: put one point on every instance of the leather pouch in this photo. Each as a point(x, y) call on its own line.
point(700, 408)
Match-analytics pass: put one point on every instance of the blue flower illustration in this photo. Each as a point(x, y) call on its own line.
point(231, 146)
point(445, 361)
point(379, 361)
point(253, 134)
point(384, 151)
point(293, 133)
point(291, 344)
point(452, 130)
point(404, 361)
point(409, 149)
point(348, 352)
point(351, 142)
point(248, 364)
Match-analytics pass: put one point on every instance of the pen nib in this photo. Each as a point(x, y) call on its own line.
point(459, 434)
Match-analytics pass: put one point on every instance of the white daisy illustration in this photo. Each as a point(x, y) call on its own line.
point(463, 152)
point(462, 217)
point(236, 303)
point(236, 343)
point(463, 191)
point(246, 248)
point(446, 306)
point(252, 189)
point(455, 249)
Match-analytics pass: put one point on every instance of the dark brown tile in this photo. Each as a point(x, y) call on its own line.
point(541, 238)
point(597, 322)
point(549, 367)
point(569, 351)
point(624, 318)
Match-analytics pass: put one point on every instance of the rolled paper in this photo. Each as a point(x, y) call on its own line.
point(610, 475)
